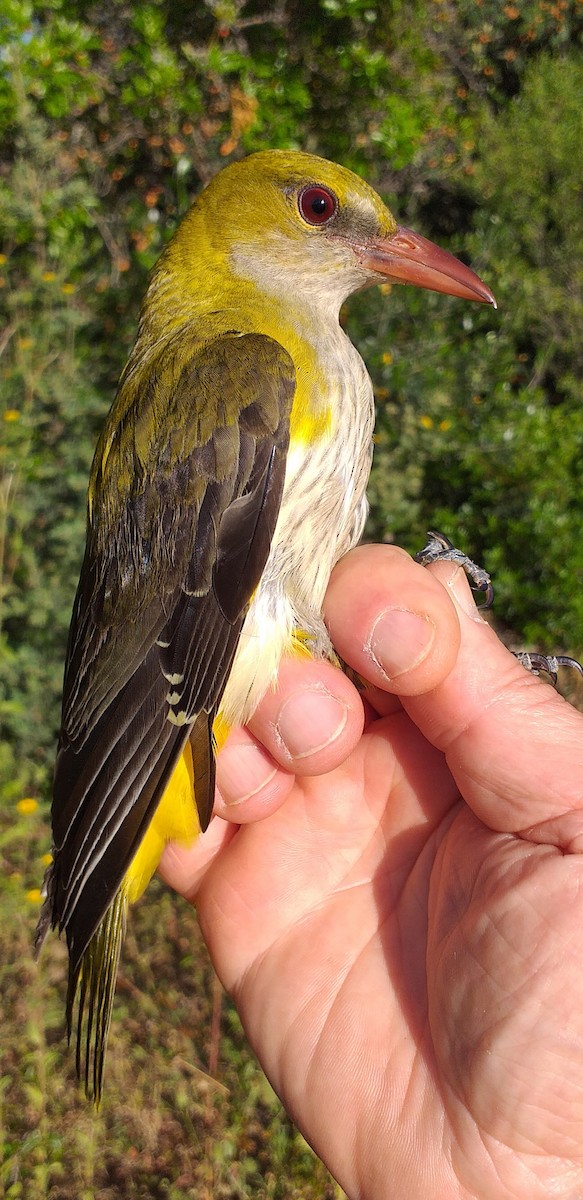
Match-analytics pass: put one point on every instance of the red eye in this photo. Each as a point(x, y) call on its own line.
point(317, 205)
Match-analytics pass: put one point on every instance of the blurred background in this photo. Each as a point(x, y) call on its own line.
point(467, 116)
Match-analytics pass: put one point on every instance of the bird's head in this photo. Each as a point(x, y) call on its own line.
point(302, 230)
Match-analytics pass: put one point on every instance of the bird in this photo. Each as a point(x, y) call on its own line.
point(228, 480)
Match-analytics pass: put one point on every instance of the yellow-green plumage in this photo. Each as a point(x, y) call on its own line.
point(229, 478)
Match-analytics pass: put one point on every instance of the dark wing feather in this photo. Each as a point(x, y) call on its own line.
point(183, 514)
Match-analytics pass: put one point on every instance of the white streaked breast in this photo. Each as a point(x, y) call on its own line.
point(322, 516)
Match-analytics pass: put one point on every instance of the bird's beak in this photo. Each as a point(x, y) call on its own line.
point(407, 257)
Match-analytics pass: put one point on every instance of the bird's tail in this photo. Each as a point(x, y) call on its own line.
point(92, 984)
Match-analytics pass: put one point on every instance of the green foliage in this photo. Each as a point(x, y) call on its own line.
point(497, 396)
point(49, 410)
point(112, 116)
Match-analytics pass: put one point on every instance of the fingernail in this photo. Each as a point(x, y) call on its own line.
point(309, 721)
point(248, 763)
point(399, 640)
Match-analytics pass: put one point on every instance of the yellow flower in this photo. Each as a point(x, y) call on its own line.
point(426, 422)
point(24, 343)
point(3, 259)
point(34, 896)
point(68, 289)
point(48, 276)
point(387, 358)
point(46, 859)
point(11, 414)
point(445, 425)
point(28, 805)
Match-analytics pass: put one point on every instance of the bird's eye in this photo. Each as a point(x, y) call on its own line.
point(317, 205)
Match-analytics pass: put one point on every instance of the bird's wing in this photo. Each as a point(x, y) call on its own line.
point(185, 495)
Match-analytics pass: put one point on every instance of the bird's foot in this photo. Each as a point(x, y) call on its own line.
point(547, 664)
point(314, 643)
point(440, 549)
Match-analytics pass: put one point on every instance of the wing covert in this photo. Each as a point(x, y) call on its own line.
point(185, 493)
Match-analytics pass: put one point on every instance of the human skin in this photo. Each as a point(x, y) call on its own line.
point(391, 890)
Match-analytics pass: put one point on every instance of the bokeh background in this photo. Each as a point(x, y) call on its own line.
point(467, 115)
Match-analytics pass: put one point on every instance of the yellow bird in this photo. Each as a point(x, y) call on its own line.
point(229, 479)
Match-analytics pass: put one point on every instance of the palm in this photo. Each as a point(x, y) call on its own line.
point(405, 956)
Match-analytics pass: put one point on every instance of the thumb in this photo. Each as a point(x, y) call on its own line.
point(512, 743)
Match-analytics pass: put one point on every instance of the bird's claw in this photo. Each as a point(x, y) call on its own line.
point(548, 664)
point(440, 549)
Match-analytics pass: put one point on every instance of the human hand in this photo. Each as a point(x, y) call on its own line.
point(403, 934)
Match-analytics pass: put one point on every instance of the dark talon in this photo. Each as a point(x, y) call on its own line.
point(440, 549)
point(547, 663)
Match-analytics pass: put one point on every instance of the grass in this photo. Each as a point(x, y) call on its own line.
point(187, 1112)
